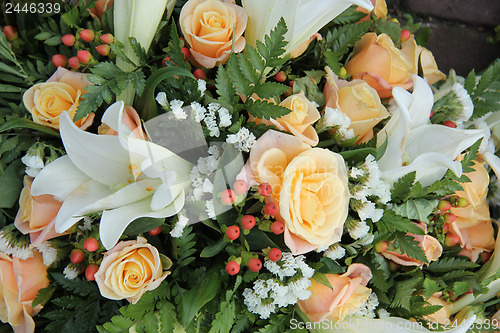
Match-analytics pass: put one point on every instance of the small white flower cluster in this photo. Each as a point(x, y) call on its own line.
point(71, 272)
point(177, 109)
point(179, 226)
point(49, 253)
point(209, 117)
point(465, 100)
point(10, 245)
point(265, 295)
point(244, 140)
point(202, 86)
point(360, 230)
point(335, 252)
point(34, 163)
point(368, 308)
point(161, 98)
point(336, 118)
point(372, 186)
point(210, 209)
point(201, 172)
point(87, 224)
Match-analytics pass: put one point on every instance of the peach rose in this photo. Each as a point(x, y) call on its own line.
point(379, 9)
point(309, 185)
point(100, 7)
point(37, 214)
point(62, 92)
point(358, 101)
point(349, 293)
point(130, 269)
point(430, 245)
point(20, 281)
point(304, 45)
point(131, 119)
point(441, 316)
point(376, 60)
point(476, 239)
point(298, 122)
point(413, 52)
point(208, 27)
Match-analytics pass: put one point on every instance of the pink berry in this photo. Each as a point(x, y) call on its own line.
point(255, 264)
point(277, 227)
point(68, 40)
point(103, 49)
point(186, 52)
point(462, 202)
point(77, 256)
point(228, 196)
point(233, 232)
point(381, 246)
point(451, 239)
point(10, 33)
point(450, 123)
point(405, 35)
point(240, 186)
point(84, 56)
point(58, 60)
point(444, 205)
point(280, 76)
point(264, 189)
point(232, 268)
point(87, 35)
point(248, 222)
point(275, 254)
point(155, 231)
point(271, 209)
point(90, 272)
point(200, 74)
point(107, 39)
point(449, 217)
point(74, 62)
point(446, 227)
point(90, 244)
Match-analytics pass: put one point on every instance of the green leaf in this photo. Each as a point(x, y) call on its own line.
point(330, 266)
point(241, 83)
point(390, 28)
point(409, 246)
point(416, 209)
point(485, 92)
point(265, 110)
point(167, 316)
point(460, 287)
point(349, 16)
point(404, 291)
point(26, 123)
point(213, 249)
point(341, 39)
point(225, 88)
point(142, 225)
point(11, 184)
point(430, 287)
point(44, 295)
point(395, 222)
point(255, 58)
point(270, 89)
point(310, 90)
point(139, 51)
point(226, 316)
point(401, 189)
point(470, 157)
point(247, 69)
point(448, 264)
point(322, 279)
point(77, 285)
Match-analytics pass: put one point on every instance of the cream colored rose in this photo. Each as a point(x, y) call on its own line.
point(414, 52)
point(62, 92)
point(298, 122)
point(309, 185)
point(358, 101)
point(130, 269)
point(383, 66)
point(209, 26)
point(443, 315)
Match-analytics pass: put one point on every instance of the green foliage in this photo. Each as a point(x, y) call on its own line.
point(430, 287)
point(448, 264)
point(485, 90)
point(349, 16)
point(409, 246)
point(390, 28)
point(404, 291)
point(416, 209)
point(186, 247)
point(394, 222)
point(226, 317)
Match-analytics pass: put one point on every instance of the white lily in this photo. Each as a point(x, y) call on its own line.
point(122, 176)
point(303, 17)
point(413, 144)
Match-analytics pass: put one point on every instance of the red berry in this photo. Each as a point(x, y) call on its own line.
point(186, 52)
point(68, 40)
point(271, 209)
point(232, 268)
point(228, 196)
point(446, 227)
point(87, 35)
point(255, 264)
point(277, 227)
point(248, 222)
point(77, 256)
point(274, 254)
point(103, 49)
point(444, 205)
point(449, 217)
point(155, 231)
point(240, 186)
point(74, 62)
point(90, 272)
point(405, 35)
point(451, 239)
point(233, 232)
point(280, 76)
point(164, 61)
point(462, 202)
point(90, 244)
point(58, 60)
point(200, 74)
point(84, 56)
point(264, 189)
point(381, 246)
point(450, 123)
point(107, 39)
point(10, 33)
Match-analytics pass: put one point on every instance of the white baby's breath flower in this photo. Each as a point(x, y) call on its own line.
point(177, 110)
point(49, 253)
point(360, 230)
point(179, 226)
point(202, 86)
point(335, 252)
point(70, 272)
point(225, 117)
point(210, 209)
point(243, 140)
point(32, 161)
point(465, 100)
point(199, 111)
point(87, 224)
point(161, 98)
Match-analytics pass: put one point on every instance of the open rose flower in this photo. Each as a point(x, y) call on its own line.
point(130, 269)
point(476, 239)
point(309, 185)
point(100, 7)
point(20, 281)
point(415, 53)
point(348, 294)
point(131, 119)
point(62, 92)
point(379, 9)
point(37, 214)
point(358, 101)
point(383, 66)
point(298, 122)
point(209, 26)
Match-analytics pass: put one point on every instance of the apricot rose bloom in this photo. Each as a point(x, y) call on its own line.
point(414, 53)
point(383, 66)
point(348, 294)
point(309, 186)
point(130, 269)
point(62, 92)
point(443, 315)
point(298, 122)
point(131, 119)
point(208, 27)
point(20, 281)
point(358, 101)
point(37, 214)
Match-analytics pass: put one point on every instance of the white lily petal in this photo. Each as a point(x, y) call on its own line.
point(493, 161)
point(101, 157)
point(423, 101)
point(441, 139)
point(75, 204)
point(430, 167)
point(113, 114)
point(164, 196)
point(58, 178)
point(114, 222)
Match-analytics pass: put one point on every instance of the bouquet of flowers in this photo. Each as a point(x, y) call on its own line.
point(242, 166)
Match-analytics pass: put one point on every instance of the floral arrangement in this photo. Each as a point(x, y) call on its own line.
point(222, 166)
